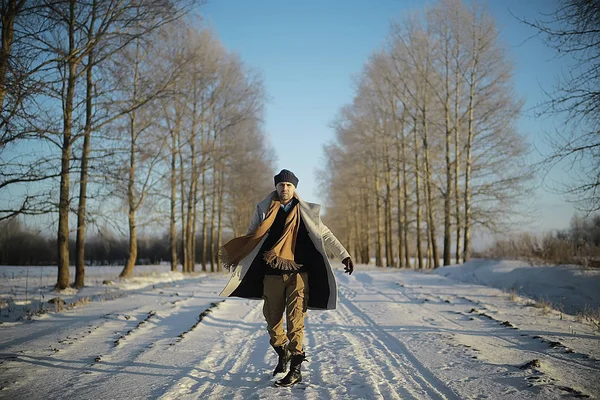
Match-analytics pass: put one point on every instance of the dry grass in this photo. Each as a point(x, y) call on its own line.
point(59, 304)
point(592, 315)
point(82, 301)
point(544, 305)
point(513, 296)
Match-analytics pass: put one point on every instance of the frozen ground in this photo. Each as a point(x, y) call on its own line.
point(395, 335)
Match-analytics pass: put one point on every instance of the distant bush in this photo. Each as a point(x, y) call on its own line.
point(580, 244)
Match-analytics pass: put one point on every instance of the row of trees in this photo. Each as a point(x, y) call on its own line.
point(20, 245)
point(149, 116)
point(427, 150)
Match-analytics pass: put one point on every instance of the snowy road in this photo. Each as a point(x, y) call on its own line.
point(395, 335)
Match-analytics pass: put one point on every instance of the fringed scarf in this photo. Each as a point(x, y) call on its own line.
point(281, 255)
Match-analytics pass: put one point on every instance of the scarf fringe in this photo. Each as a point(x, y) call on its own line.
point(280, 263)
point(226, 261)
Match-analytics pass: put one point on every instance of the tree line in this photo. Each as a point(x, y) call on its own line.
point(21, 245)
point(427, 149)
point(131, 112)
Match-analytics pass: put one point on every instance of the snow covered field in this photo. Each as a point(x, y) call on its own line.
point(571, 288)
point(395, 335)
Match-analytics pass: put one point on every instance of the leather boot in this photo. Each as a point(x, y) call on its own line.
point(293, 376)
point(284, 359)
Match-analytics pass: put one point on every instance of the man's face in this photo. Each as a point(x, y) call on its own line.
point(285, 190)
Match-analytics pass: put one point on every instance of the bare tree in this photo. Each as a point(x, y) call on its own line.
point(21, 60)
point(439, 94)
point(110, 28)
point(10, 10)
point(123, 88)
point(573, 31)
point(142, 80)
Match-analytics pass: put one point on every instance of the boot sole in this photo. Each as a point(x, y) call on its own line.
point(277, 384)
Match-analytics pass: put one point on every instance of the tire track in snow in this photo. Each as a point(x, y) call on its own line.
point(226, 370)
point(162, 324)
point(364, 362)
point(399, 354)
point(76, 351)
point(524, 348)
point(499, 332)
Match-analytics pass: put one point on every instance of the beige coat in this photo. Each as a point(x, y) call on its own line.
point(321, 237)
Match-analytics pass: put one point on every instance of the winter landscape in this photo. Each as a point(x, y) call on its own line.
point(486, 329)
point(444, 154)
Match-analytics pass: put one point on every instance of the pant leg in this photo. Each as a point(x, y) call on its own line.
point(274, 307)
point(296, 294)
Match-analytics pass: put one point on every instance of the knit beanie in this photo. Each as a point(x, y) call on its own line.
point(286, 176)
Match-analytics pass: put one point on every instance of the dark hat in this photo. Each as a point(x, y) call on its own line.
point(286, 176)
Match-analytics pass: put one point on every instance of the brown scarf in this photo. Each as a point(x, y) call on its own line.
point(281, 255)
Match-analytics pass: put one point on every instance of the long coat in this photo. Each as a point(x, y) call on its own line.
point(247, 282)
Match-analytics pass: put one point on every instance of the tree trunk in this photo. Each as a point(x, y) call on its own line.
point(188, 225)
point(400, 166)
point(220, 218)
point(448, 194)
point(389, 251)
point(133, 248)
point(418, 195)
point(184, 244)
point(349, 231)
point(386, 235)
point(401, 260)
point(191, 197)
point(366, 237)
point(378, 238)
point(405, 197)
point(354, 221)
point(204, 222)
point(213, 212)
point(428, 189)
point(467, 194)
point(132, 257)
point(429, 253)
point(83, 180)
point(457, 152)
point(131, 200)
point(63, 204)
point(172, 223)
point(85, 154)
point(468, 166)
point(194, 231)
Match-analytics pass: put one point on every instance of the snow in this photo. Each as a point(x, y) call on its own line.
point(568, 287)
point(396, 334)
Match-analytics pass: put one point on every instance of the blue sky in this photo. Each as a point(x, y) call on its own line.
point(309, 53)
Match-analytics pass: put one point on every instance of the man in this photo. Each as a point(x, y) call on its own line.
point(282, 260)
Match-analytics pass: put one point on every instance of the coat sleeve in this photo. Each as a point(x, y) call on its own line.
point(332, 244)
point(256, 220)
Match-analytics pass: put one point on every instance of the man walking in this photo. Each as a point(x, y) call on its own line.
point(282, 260)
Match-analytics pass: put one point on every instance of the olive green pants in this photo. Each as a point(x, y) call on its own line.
point(286, 293)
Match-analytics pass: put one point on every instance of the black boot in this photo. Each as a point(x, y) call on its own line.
point(284, 359)
point(294, 375)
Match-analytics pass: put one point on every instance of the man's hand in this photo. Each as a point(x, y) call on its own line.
point(349, 265)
